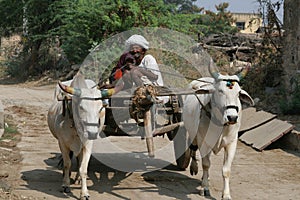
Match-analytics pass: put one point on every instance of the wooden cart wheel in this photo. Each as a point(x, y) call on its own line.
point(181, 148)
point(180, 140)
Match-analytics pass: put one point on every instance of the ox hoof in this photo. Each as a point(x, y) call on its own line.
point(194, 168)
point(193, 172)
point(87, 197)
point(66, 189)
point(226, 198)
point(151, 155)
point(205, 192)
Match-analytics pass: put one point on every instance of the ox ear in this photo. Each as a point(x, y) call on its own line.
point(70, 90)
point(204, 89)
point(245, 97)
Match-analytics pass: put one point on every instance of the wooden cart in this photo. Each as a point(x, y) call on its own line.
point(156, 119)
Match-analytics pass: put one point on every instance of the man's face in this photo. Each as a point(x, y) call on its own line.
point(136, 51)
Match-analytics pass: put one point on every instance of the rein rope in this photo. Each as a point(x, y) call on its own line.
point(163, 72)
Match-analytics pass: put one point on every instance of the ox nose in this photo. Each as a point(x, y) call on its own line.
point(92, 135)
point(232, 118)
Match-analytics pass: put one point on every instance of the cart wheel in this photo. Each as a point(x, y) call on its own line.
point(181, 149)
point(179, 136)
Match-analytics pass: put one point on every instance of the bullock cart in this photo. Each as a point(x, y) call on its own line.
point(148, 112)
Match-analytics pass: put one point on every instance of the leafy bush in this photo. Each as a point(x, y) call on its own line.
point(14, 68)
point(10, 132)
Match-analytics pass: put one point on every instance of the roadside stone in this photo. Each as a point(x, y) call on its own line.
point(4, 186)
point(3, 175)
point(1, 119)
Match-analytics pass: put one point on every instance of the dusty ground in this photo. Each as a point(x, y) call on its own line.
point(28, 164)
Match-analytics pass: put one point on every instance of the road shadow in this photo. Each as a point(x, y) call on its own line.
point(106, 180)
point(48, 180)
point(172, 184)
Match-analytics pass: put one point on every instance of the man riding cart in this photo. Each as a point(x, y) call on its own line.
point(138, 75)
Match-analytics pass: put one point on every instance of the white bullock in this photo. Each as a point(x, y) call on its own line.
point(212, 119)
point(76, 123)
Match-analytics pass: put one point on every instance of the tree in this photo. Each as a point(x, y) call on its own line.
point(74, 26)
point(11, 13)
point(84, 23)
point(221, 21)
point(30, 19)
point(184, 6)
point(268, 10)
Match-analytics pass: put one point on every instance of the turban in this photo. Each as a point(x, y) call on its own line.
point(137, 40)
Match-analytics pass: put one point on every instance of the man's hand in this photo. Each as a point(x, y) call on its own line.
point(105, 86)
point(129, 66)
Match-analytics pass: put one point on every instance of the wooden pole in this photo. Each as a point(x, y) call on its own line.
point(148, 133)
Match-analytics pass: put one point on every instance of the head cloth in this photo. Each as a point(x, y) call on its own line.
point(136, 40)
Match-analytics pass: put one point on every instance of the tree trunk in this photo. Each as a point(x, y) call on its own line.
point(291, 58)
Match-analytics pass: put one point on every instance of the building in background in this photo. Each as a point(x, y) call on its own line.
point(247, 22)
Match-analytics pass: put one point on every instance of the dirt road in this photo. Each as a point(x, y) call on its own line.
point(271, 174)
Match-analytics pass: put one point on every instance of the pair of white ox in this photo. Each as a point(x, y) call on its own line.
point(212, 119)
point(74, 130)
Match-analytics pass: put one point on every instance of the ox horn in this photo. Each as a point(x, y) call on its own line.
point(213, 70)
point(244, 72)
point(70, 90)
point(106, 93)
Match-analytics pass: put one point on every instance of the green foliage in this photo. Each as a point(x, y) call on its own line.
point(11, 14)
point(13, 68)
point(75, 26)
point(197, 25)
point(10, 132)
point(219, 22)
point(189, 24)
point(184, 6)
point(83, 23)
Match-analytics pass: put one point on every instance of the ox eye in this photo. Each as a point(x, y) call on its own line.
point(81, 107)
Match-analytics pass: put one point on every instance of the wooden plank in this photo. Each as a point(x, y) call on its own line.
point(262, 136)
point(252, 119)
point(161, 91)
point(166, 128)
point(173, 92)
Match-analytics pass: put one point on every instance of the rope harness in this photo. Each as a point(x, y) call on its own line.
point(67, 109)
point(142, 100)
